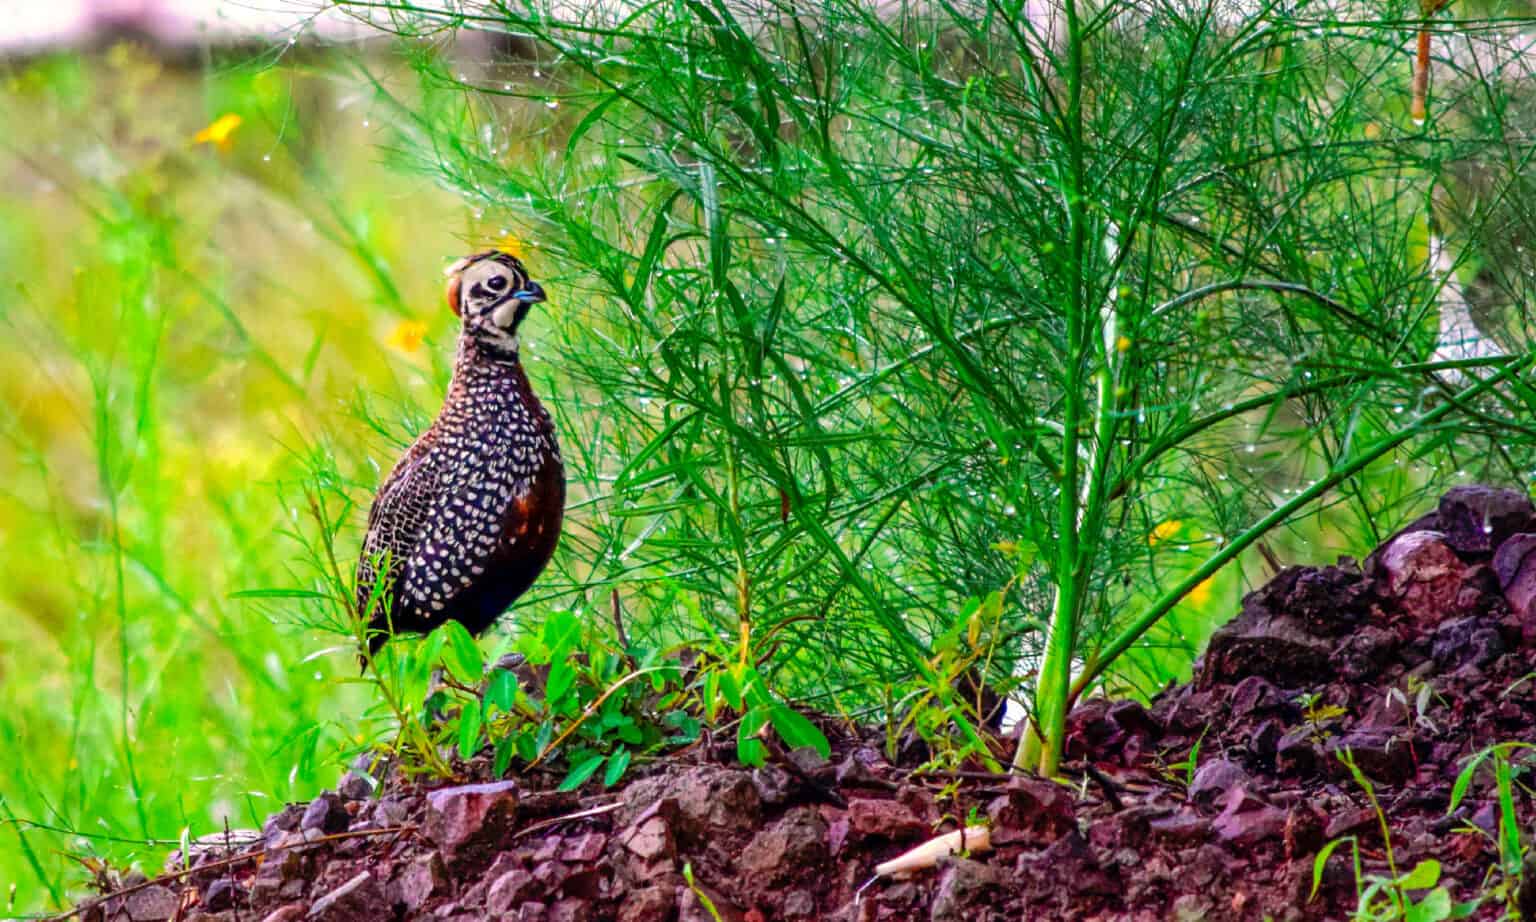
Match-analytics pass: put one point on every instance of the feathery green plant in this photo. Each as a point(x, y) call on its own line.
point(864, 291)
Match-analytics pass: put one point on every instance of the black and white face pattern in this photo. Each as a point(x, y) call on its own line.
point(495, 294)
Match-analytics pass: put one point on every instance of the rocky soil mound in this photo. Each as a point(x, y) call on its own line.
point(1211, 803)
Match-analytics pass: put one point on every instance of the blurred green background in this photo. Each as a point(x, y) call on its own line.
point(209, 269)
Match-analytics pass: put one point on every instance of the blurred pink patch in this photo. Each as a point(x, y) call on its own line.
point(36, 25)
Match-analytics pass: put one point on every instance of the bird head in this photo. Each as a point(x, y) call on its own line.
point(492, 293)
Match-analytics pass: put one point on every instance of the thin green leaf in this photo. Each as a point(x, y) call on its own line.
point(618, 763)
point(583, 770)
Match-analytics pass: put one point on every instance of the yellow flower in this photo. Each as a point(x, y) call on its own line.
point(1164, 531)
point(510, 244)
point(1123, 344)
point(1201, 594)
point(218, 131)
point(406, 336)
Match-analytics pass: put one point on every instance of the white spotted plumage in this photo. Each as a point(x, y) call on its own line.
point(452, 512)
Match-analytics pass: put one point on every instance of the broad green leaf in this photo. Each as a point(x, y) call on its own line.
point(1424, 875)
point(464, 659)
point(711, 695)
point(617, 764)
point(581, 772)
point(1435, 907)
point(501, 691)
point(504, 752)
point(687, 726)
point(731, 689)
point(797, 731)
point(749, 749)
point(562, 675)
point(470, 724)
point(527, 747)
point(469, 730)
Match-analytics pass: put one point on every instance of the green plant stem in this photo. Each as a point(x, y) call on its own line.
point(1055, 676)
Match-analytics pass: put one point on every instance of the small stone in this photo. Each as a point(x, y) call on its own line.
point(711, 799)
point(1033, 811)
point(569, 910)
point(1478, 518)
point(467, 822)
point(359, 898)
point(1515, 567)
point(356, 786)
point(584, 849)
point(511, 889)
point(547, 849)
point(421, 880)
point(222, 894)
point(808, 760)
point(1381, 755)
point(774, 785)
point(1263, 642)
point(1265, 739)
point(1131, 717)
point(1365, 652)
point(887, 819)
point(1071, 861)
point(1296, 752)
point(391, 811)
point(652, 904)
point(151, 904)
point(1424, 576)
point(551, 876)
point(1179, 829)
point(1214, 778)
point(799, 904)
point(963, 884)
point(1350, 822)
point(1247, 821)
point(285, 820)
point(1461, 642)
point(1252, 694)
point(691, 909)
point(650, 839)
point(326, 815)
point(775, 856)
point(529, 912)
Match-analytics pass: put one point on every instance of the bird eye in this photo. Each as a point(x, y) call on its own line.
point(496, 283)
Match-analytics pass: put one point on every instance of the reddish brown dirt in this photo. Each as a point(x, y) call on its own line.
point(1413, 662)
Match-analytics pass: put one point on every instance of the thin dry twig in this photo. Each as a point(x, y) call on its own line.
point(578, 815)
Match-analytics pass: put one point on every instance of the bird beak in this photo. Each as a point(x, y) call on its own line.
point(533, 294)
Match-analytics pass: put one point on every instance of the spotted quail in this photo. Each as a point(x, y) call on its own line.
point(470, 515)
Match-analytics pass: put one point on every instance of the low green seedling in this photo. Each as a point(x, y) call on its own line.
point(1414, 896)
